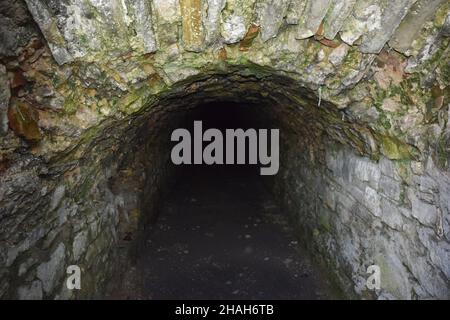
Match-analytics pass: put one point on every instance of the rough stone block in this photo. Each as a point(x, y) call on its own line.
point(167, 10)
point(51, 272)
point(144, 25)
point(390, 188)
point(237, 17)
point(394, 275)
point(32, 292)
point(271, 14)
point(212, 20)
point(424, 212)
point(193, 31)
point(439, 250)
point(366, 171)
point(312, 17)
point(421, 12)
point(295, 11)
point(392, 14)
point(336, 16)
point(388, 168)
point(373, 201)
point(390, 214)
point(79, 244)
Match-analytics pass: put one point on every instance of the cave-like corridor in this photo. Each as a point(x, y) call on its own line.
point(338, 186)
point(220, 234)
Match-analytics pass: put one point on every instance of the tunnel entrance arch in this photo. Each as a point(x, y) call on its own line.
point(331, 167)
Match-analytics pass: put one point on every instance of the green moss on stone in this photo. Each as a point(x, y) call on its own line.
point(394, 149)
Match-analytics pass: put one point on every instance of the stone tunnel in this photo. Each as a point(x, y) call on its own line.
point(91, 91)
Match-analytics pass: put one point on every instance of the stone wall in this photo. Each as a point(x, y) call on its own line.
point(352, 212)
point(87, 208)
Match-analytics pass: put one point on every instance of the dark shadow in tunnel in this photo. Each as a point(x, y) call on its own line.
point(222, 116)
point(220, 233)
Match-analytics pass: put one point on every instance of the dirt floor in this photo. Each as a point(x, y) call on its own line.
point(220, 235)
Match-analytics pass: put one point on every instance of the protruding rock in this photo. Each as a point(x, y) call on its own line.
point(365, 18)
point(212, 20)
point(421, 12)
point(312, 17)
point(79, 244)
point(393, 13)
point(295, 11)
point(49, 27)
point(233, 29)
point(144, 24)
point(193, 32)
point(167, 10)
point(83, 29)
point(237, 16)
point(337, 15)
point(374, 23)
point(271, 15)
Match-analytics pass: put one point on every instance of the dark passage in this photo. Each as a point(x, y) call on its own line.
point(220, 235)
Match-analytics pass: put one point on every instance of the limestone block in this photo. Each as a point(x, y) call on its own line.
point(48, 24)
point(338, 55)
point(295, 11)
point(167, 11)
point(421, 12)
point(366, 171)
point(271, 13)
point(390, 214)
point(237, 18)
point(144, 25)
point(336, 16)
point(50, 272)
point(439, 250)
point(394, 275)
point(32, 292)
point(83, 29)
point(234, 29)
point(79, 244)
point(212, 20)
point(424, 212)
point(312, 17)
point(373, 201)
point(192, 20)
point(388, 168)
point(393, 13)
point(390, 188)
